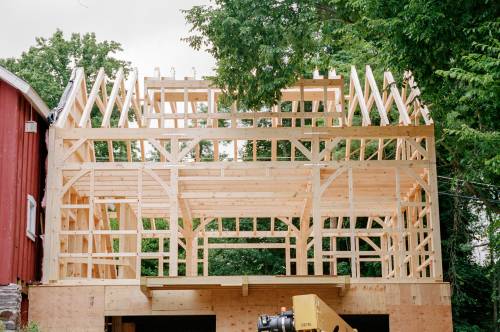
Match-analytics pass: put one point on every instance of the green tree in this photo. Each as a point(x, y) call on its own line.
point(264, 46)
point(47, 67)
point(473, 125)
point(453, 51)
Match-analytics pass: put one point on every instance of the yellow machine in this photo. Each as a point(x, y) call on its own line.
point(309, 313)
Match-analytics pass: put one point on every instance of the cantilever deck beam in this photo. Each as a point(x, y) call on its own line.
point(246, 283)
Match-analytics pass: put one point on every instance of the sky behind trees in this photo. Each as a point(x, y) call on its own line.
point(149, 32)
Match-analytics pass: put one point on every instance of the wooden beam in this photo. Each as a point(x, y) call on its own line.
point(403, 111)
point(249, 133)
point(70, 101)
point(174, 223)
point(384, 121)
point(112, 99)
point(94, 94)
point(359, 96)
point(128, 99)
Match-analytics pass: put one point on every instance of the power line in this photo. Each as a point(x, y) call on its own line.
point(469, 197)
point(474, 182)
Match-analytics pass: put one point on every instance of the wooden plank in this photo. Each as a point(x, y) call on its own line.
point(316, 211)
point(112, 99)
point(307, 153)
point(376, 96)
point(403, 112)
point(360, 98)
point(188, 148)
point(248, 133)
point(75, 90)
point(128, 99)
point(330, 179)
point(93, 96)
point(174, 223)
point(329, 146)
point(161, 149)
point(437, 268)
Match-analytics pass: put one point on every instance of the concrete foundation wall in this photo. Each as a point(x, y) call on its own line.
point(10, 307)
point(411, 307)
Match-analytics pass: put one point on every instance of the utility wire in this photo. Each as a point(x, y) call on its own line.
point(478, 183)
point(468, 197)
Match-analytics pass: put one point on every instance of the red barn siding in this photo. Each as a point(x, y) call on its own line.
point(22, 160)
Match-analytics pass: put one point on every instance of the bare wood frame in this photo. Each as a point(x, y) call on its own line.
point(349, 184)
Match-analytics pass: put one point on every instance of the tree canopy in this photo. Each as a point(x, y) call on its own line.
point(47, 65)
point(454, 52)
point(262, 46)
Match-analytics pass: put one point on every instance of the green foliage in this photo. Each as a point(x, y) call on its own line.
point(47, 66)
point(263, 46)
point(344, 268)
point(31, 327)
point(471, 141)
point(247, 262)
point(453, 51)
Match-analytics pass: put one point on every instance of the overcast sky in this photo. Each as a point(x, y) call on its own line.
point(149, 30)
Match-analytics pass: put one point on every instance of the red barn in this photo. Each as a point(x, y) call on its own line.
point(23, 124)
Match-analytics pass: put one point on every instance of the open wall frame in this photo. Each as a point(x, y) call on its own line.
point(341, 180)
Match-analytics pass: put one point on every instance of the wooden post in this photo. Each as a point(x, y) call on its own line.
point(191, 245)
point(91, 225)
point(437, 268)
point(400, 227)
point(316, 210)
point(53, 219)
point(174, 222)
point(352, 224)
point(174, 212)
point(139, 227)
point(205, 255)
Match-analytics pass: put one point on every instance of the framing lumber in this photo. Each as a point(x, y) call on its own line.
point(345, 186)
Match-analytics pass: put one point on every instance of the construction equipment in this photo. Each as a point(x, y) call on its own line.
point(309, 313)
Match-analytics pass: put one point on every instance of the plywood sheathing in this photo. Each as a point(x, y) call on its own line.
point(411, 308)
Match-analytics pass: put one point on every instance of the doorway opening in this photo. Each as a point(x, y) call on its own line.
point(204, 323)
point(368, 323)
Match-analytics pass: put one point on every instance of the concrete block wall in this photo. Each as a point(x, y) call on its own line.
point(10, 307)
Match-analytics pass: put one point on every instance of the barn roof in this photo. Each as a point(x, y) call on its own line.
point(26, 90)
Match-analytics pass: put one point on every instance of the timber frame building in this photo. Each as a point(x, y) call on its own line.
point(347, 193)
